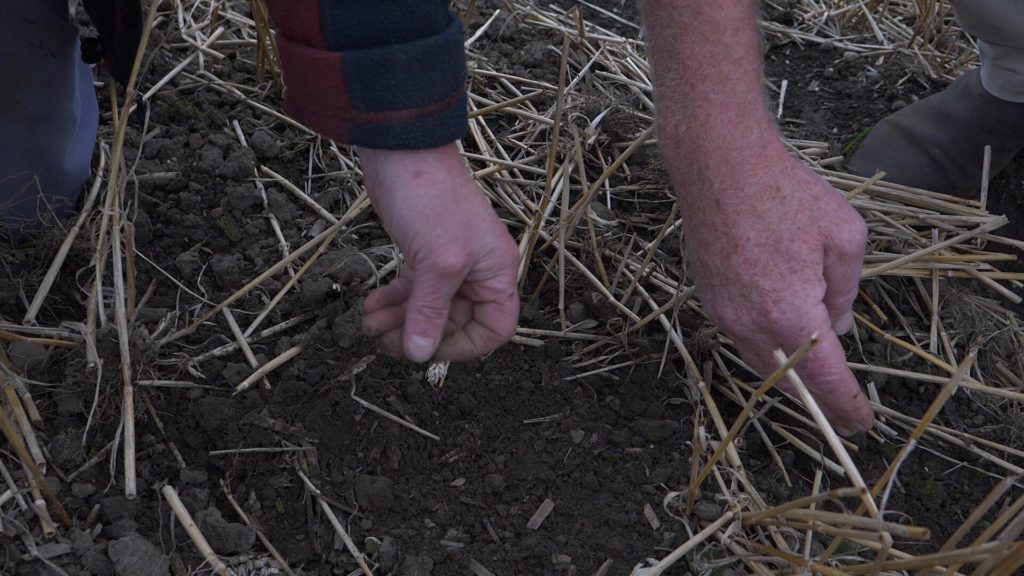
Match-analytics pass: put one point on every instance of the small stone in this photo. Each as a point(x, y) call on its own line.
point(850, 55)
point(83, 489)
point(417, 566)
point(494, 483)
point(707, 511)
point(193, 475)
point(133, 555)
point(561, 560)
point(895, 106)
point(374, 493)
point(224, 537)
point(577, 435)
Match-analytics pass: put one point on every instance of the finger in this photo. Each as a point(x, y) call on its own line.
point(842, 269)
point(426, 313)
point(392, 294)
point(383, 320)
point(834, 386)
point(390, 343)
point(492, 325)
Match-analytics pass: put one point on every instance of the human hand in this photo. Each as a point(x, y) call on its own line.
point(456, 297)
point(777, 256)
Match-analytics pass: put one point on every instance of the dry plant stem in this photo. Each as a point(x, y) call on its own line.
point(738, 424)
point(390, 416)
point(816, 568)
point(862, 187)
point(243, 344)
point(267, 368)
point(186, 521)
point(37, 476)
point(814, 516)
point(302, 196)
point(989, 533)
point(163, 431)
point(928, 561)
point(21, 418)
point(848, 492)
point(273, 270)
point(966, 382)
point(12, 487)
point(697, 539)
point(852, 473)
point(337, 525)
point(933, 410)
point(123, 338)
point(1006, 539)
point(983, 229)
point(232, 347)
point(979, 511)
point(809, 534)
point(69, 240)
point(232, 452)
point(290, 284)
point(259, 532)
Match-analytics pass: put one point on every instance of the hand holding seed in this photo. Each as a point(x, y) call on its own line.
point(456, 297)
point(777, 255)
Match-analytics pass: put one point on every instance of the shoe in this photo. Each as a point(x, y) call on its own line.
point(938, 143)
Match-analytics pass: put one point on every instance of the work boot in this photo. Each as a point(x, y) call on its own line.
point(938, 144)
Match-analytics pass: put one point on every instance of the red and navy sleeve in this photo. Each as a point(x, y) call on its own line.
point(385, 74)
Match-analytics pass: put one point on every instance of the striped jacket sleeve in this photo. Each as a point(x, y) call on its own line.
point(387, 74)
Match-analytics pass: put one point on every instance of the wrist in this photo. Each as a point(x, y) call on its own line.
point(728, 163)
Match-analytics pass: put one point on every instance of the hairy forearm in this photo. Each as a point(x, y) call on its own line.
point(712, 114)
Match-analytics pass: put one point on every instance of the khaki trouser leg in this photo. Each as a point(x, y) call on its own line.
point(999, 28)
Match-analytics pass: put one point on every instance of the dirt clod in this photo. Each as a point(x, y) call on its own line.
point(417, 566)
point(133, 555)
point(224, 537)
point(655, 430)
point(374, 493)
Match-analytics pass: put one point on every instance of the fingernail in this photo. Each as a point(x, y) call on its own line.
point(844, 324)
point(419, 349)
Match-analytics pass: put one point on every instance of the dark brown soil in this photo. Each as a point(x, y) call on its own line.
point(515, 428)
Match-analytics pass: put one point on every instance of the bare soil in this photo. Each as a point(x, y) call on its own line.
point(516, 428)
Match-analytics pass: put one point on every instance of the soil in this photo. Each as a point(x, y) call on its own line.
point(516, 429)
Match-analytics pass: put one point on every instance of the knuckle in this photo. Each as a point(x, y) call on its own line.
point(450, 262)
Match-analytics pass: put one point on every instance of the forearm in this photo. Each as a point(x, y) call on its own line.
point(711, 109)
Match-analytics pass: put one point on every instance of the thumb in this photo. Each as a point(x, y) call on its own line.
point(426, 315)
